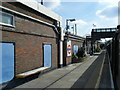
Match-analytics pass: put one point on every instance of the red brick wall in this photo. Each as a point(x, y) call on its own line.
point(29, 50)
point(69, 59)
point(28, 47)
point(23, 24)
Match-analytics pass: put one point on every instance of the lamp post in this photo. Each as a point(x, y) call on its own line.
point(41, 2)
point(75, 29)
point(67, 26)
point(72, 28)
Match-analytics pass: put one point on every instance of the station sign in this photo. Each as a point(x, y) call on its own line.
point(69, 48)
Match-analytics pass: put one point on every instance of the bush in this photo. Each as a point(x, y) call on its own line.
point(74, 58)
point(98, 49)
point(81, 52)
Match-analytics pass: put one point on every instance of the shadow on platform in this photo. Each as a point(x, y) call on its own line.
point(89, 78)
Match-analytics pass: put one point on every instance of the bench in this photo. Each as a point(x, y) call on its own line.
point(28, 73)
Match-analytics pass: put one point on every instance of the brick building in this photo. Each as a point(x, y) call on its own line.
point(31, 38)
point(71, 45)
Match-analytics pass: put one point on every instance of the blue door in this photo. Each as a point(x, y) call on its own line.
point(75, 49)
point(47, 55)
point(7, 60)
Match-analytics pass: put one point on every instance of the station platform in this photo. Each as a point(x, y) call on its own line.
point(87, 74)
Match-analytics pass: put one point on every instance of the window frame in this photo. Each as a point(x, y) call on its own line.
point(13, 21)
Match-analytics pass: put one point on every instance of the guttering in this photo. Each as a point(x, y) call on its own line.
point(27, 16)
point(77, 38)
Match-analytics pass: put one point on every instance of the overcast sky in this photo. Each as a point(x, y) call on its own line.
point(102, 13)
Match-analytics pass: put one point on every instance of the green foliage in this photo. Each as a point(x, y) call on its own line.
point(74, 58)
point(81, 52)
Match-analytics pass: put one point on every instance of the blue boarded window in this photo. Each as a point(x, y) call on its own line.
point(7, 60)
point(75, 49)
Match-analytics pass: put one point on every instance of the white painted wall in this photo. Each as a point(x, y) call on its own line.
point(40, 8)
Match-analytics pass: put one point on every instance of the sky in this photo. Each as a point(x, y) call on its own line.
point(102, 13)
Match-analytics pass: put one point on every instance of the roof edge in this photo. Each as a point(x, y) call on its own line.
point(40, 8)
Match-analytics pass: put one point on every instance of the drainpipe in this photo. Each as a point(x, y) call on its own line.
point(61, 47)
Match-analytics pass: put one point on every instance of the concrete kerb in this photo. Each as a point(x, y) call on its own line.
point(100, 74)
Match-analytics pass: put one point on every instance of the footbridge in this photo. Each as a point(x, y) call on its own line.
point(103, 32)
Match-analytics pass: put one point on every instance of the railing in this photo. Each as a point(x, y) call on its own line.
point(104, 30)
